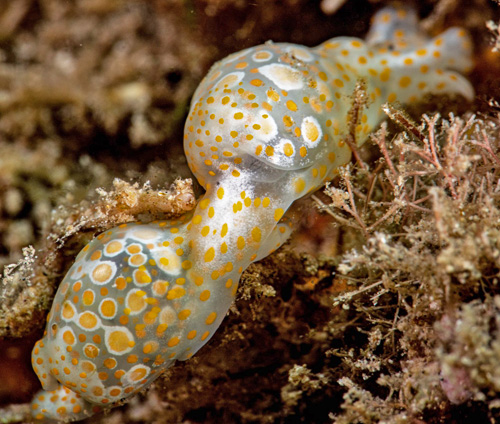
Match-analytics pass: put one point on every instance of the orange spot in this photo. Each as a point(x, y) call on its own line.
point(287, 120)
point(114, 247)
point(142, 277)
point(115, 392)
point(136, 259)
point(108, 308)
point(138, 374)
point(102, 273)
point(269, 150)
point(290, 104)
point(184, 314)
point(88, 320)
point(262, 55)
point(209, 255)
point(118, 341)
point(68, 311)
point(273, 95)
point(91, 351)
point(176, 293)
point(300, 184)
point(404, 82)
point(311, 131)
point(160, 287)
point(174, 341)
point(132, 359)
point(120, 283)
point(135, 301)
point(88, 367)
point(68, 337)
point(110, 363)
point(267, 106)
point(135, 248)
point(150, 347)
point(385, 75)
point(211, 318)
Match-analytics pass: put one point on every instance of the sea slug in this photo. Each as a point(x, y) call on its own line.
point(267, 125)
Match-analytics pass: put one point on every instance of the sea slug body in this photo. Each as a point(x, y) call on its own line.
point(266, 126)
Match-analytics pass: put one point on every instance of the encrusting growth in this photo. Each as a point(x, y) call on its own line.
point(266, 126)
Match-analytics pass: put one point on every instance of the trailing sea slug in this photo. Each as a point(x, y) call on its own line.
point(267, 125)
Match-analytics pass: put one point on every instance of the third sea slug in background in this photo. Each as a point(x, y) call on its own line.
point(267, 125)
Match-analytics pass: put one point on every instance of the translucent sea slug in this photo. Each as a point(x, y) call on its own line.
point(266, 126)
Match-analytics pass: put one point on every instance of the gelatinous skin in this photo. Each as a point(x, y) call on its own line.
point(266, 127)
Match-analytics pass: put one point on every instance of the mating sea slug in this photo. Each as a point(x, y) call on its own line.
point(266, 126)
